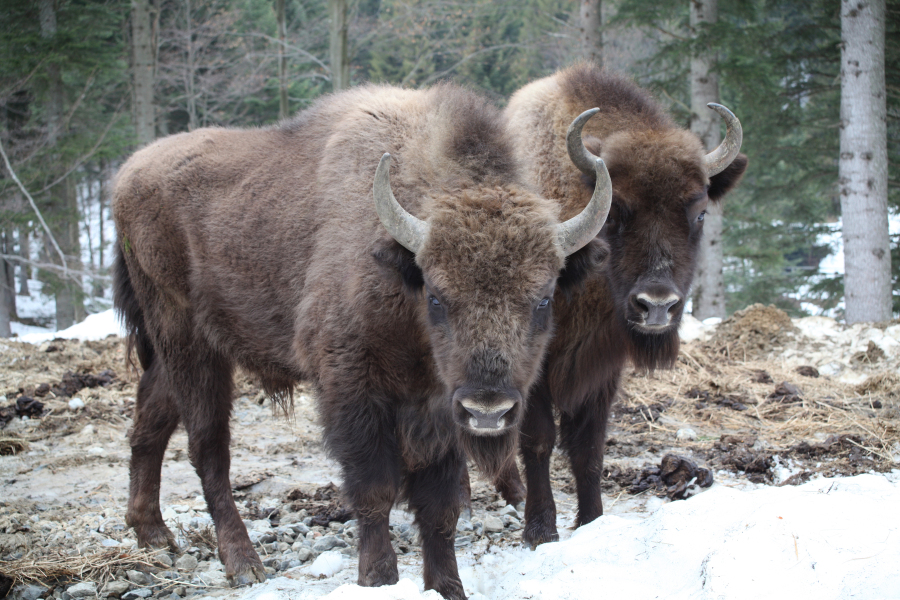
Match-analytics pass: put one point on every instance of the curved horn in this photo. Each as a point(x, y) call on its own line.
point(403, 227)
point(575, 233)
point(579, 155)
point(717, 160)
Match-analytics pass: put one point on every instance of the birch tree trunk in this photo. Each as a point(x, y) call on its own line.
point(25, 253)
point(340, 62)
point(709, 286)
point(283, 109)
point(863, 162)
point(143, 67)
point(590, 31)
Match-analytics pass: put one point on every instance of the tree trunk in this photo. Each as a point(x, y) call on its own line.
point(25, 253)
point(143, 69)
point(590, 31)
point(7, 284)
point(709, 287)
point(863, 163)
point(283, 109)
point(190, 69)
point(63, 209)
point(340, 62)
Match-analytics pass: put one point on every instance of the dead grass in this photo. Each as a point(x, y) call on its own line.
point(714, 394)
point(99, 567)
point(11, 444)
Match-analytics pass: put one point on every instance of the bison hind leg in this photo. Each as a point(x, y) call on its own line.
point(155, 418)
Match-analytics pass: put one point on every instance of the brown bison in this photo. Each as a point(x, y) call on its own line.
point(422, 327)
point(662, 181)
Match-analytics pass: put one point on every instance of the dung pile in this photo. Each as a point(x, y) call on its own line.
point(753, 333)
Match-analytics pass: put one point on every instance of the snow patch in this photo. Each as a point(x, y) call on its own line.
point(94, 327)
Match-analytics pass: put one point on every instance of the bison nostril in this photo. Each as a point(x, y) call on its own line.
point(641, 304)
point(486, 417)
point(657, 308)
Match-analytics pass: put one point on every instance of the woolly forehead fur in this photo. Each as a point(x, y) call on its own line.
point(638, 136)
point(496, 240)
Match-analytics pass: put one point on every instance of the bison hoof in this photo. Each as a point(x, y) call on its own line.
point(535, 536)
point(156, 537)
point(452, 590)
point(248, 576)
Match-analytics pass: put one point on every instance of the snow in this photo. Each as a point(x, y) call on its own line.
point(94, 327)
point(828, 538)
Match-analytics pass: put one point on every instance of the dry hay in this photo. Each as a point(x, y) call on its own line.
point(99, 567)
point(752, 333)
point(12, 444)
point(766, 399)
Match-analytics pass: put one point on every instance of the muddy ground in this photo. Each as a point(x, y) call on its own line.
point(747, 406)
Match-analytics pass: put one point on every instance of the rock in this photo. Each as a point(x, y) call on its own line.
point(463, 525)
point(137, 593)
point(492, 524)
point(29, 591)
point(76, 404)
point(686, 434)
point(328, 542)
point(328, 564)
point(303, 554)
point(463, 540)
point(262, 537)
point(211, 579)
point(109, 543)
point(84, 589)
point(164, 559)
point(139, 578)
point(186, 562)
point(509, 509)
point(511, 522)
point(116, 588)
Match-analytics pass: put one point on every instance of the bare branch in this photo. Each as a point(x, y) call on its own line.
point(56, 268)
point(469, 57)
point(90, 153)
point(62, 257)
point(21, 83)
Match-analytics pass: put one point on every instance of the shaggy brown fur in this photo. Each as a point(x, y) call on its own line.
point(660, 191)
point(262, 248)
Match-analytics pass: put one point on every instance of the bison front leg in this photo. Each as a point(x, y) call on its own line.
point(360, 435)
point(536, 444)
point(155, 418)
point(584, 438)
point(433, 494)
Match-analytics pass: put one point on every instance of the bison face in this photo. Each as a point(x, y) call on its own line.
point(660, 197)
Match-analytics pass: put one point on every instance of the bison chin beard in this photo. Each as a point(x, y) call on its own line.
point(651, 351)
point(491, 453)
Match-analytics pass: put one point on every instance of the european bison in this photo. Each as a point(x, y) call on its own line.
point(662, 182)
point(422, 327)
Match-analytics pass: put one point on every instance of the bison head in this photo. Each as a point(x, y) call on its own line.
point(482, 269)
point(663, 183)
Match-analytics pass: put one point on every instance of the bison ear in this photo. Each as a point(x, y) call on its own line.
point(396, 260)
point(583, 263)
point(721, 184)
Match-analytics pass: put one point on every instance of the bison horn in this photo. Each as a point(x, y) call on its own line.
point(716, 161)
point(575, 233)
point(403, 227)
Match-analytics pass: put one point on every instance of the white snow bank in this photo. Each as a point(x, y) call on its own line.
point(95, 327)
point(829, 538)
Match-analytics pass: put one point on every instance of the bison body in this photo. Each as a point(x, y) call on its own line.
point(421, 319)
point(662, 181)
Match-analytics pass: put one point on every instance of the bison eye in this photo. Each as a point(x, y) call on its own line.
point(544, 303)
point(701, 216)
point(434, 301)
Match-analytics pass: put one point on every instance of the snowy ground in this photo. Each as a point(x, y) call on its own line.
point(830, 538)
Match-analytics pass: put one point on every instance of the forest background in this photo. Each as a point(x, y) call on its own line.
point(81, 79)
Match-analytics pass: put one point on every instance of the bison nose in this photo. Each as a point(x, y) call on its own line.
point(487, 411)
point(656, 308)
point(487, 420)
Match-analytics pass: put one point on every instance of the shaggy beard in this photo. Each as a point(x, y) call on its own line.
point(651, 351)
point(491, 453)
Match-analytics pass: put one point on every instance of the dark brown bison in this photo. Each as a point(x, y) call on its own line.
point(422, 327)
point(662, 180)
